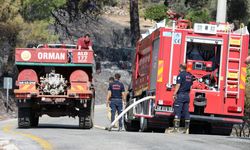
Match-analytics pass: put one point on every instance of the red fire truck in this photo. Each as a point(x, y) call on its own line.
point(54, 79)
point(214, 55)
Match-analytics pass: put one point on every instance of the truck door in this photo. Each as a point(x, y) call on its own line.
point(153, 76)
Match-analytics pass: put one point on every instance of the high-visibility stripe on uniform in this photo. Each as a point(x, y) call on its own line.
point(243, 77)
point(160, 71)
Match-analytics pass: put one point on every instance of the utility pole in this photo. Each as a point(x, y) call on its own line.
point(221, 11)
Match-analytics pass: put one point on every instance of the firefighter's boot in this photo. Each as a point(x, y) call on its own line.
point(186, 129)
point(176, 127)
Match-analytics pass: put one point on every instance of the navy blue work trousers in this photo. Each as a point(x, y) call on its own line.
point(116, 105)
point(181, 106)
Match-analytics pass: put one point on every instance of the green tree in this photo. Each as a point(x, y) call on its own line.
point(16, 31)
point(63, 12)
point(238, 10)
point(199, 16)
point(196, 4)
point(247, 98)
point(39, 9)
point(35, 33)
point(43, 9)
point(156, 12)
point(178, 6)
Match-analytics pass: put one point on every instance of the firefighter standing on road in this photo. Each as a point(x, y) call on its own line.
point(111, 80)
point(116, 94)
point(182, 99)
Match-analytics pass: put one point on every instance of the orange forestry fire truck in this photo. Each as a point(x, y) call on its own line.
point(214, 55)
point(54, 79)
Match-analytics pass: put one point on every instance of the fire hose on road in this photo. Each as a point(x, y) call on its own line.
point(127, 109)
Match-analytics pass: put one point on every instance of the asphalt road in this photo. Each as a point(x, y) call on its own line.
point(63, 134)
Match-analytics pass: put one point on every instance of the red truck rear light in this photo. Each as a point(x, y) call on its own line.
point(234, 109)
point(23, 95)
point(189, 66)
point(168, 103)
point(84, 96)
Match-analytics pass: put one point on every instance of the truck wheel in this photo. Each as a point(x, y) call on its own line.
point(132, 126)
point(24, 117)
point(34, 121)
point(221, 129)
point(85, 122)
point(158, 130)
point(86, 116)
point(92, 111)
point(144, 124)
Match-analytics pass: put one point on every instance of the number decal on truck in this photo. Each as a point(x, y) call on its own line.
point(82, 56)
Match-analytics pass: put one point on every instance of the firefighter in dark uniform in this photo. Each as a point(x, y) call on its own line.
point(116, 94)
point(182, 99)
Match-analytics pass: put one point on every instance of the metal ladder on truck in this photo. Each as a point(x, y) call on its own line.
point(233, 65)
